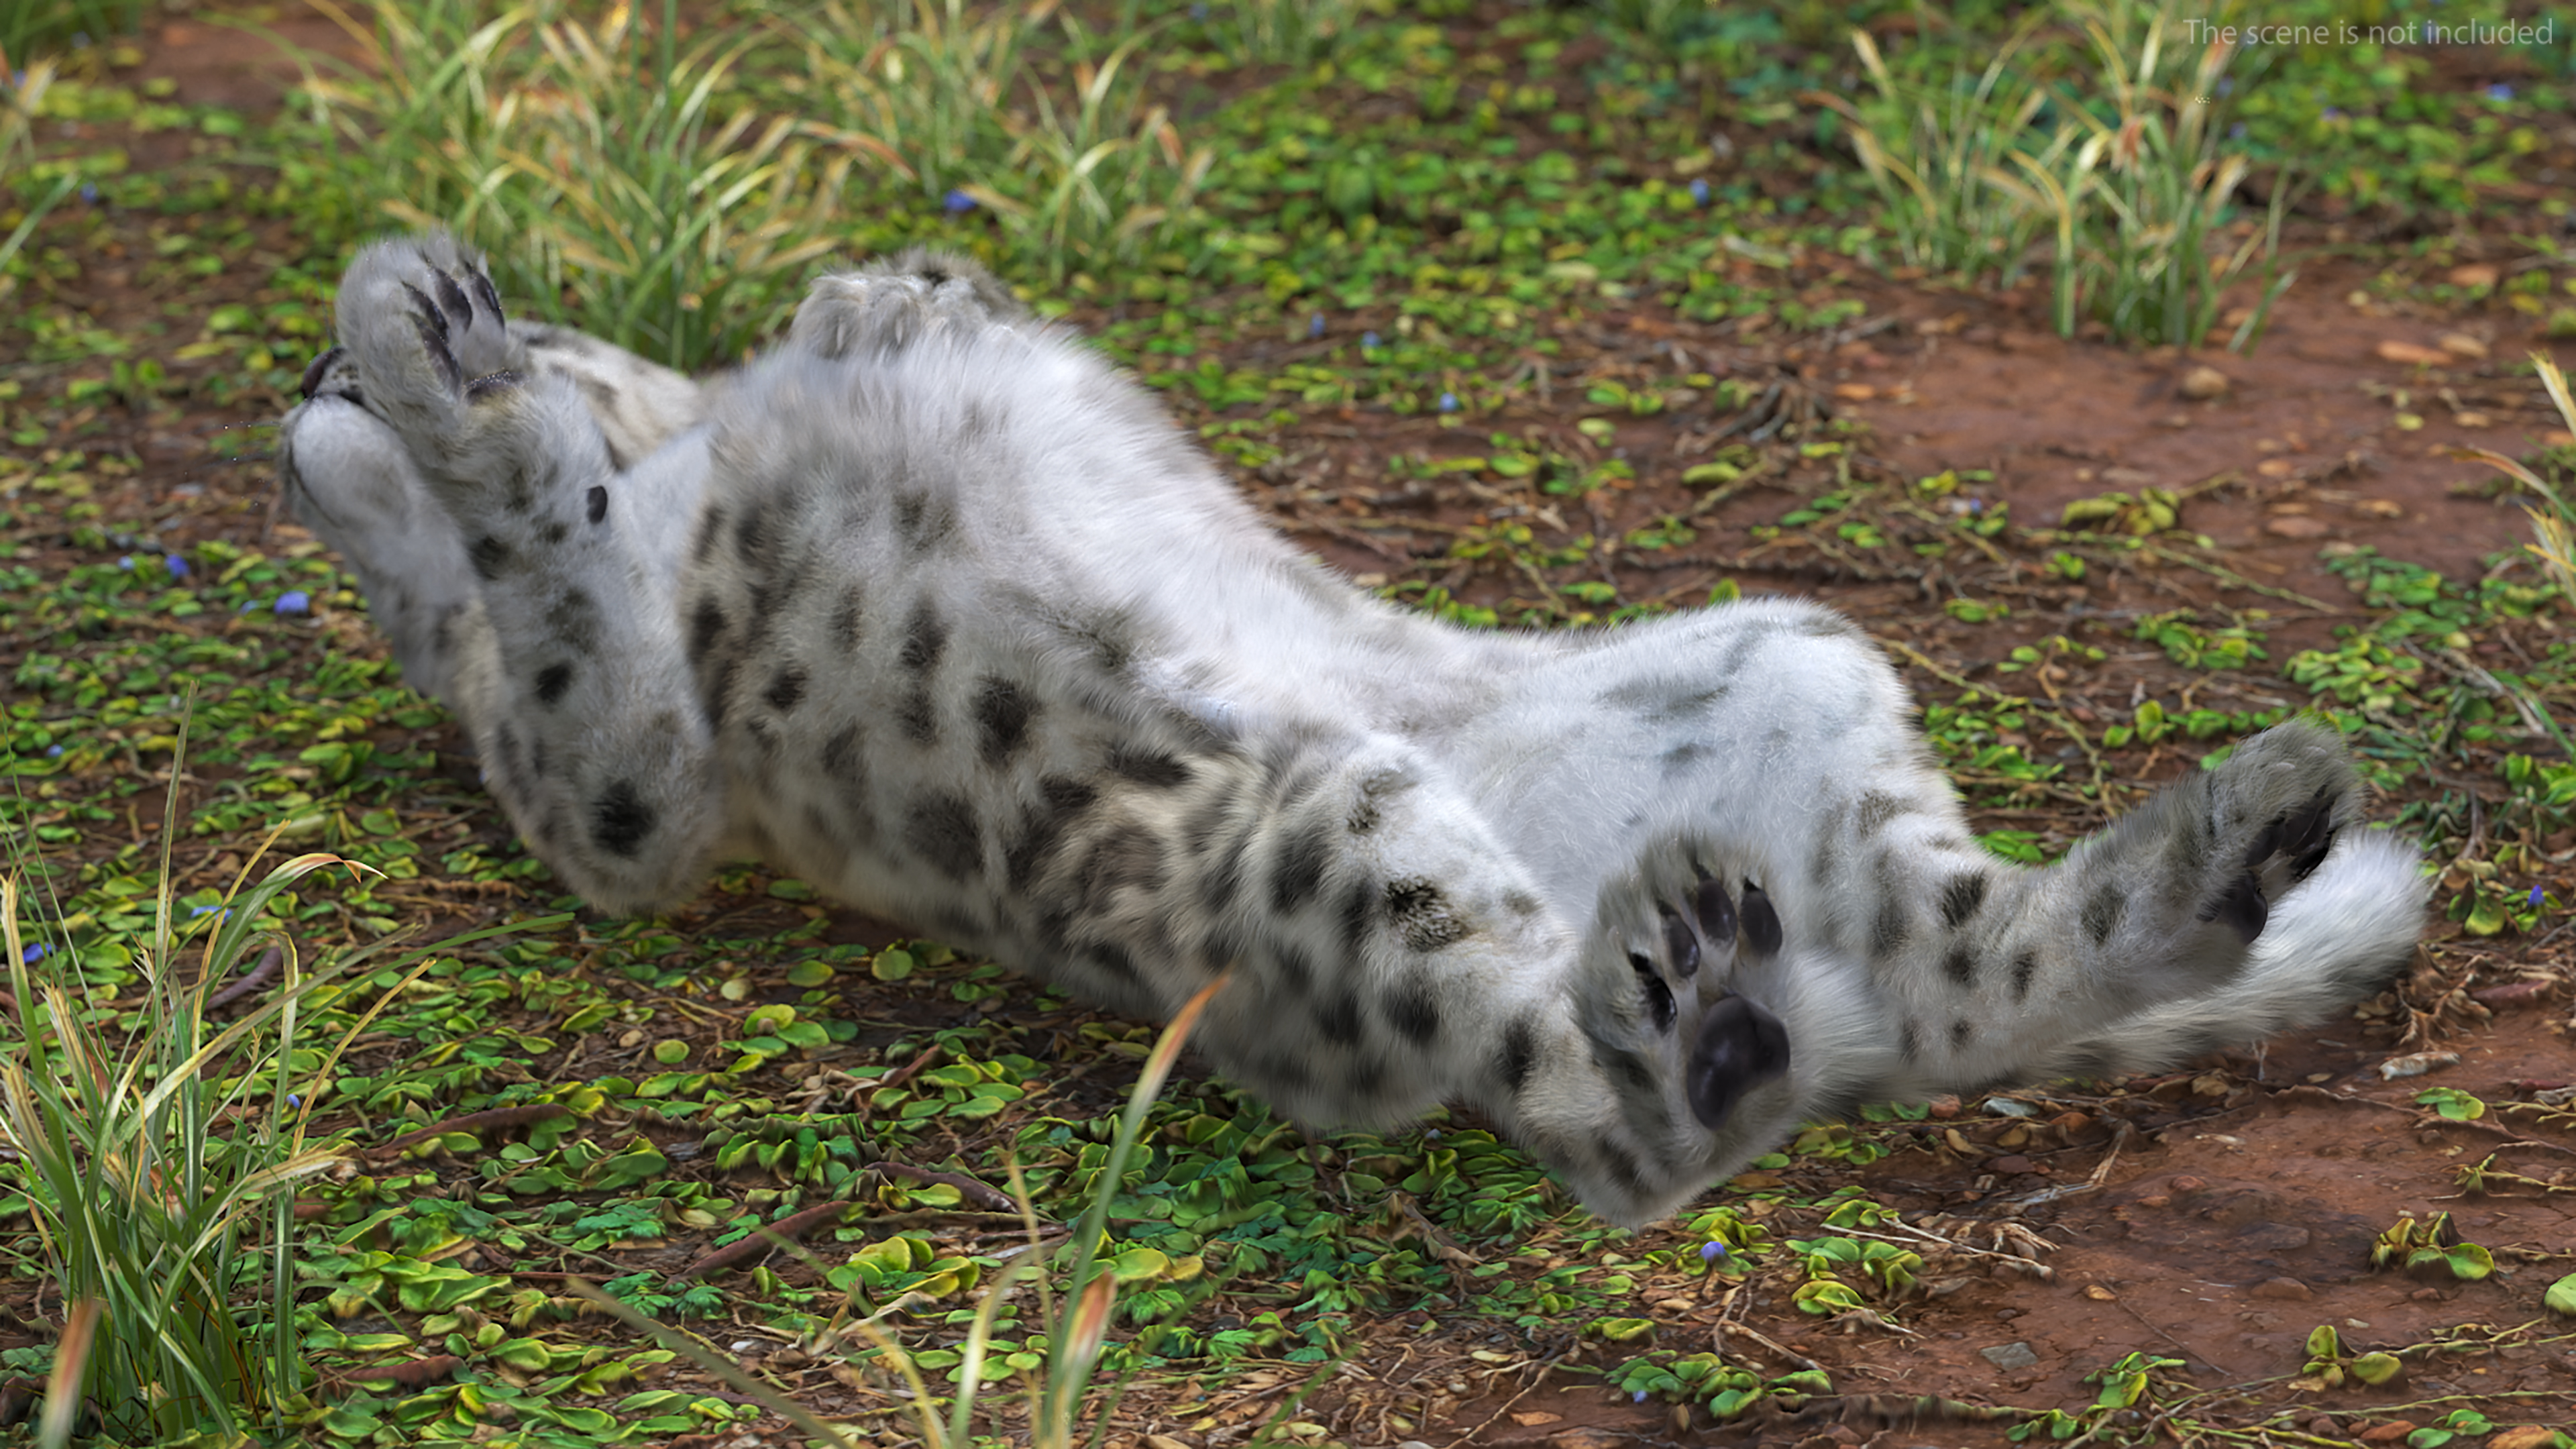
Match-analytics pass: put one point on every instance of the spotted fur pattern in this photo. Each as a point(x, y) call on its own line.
point(933, 608)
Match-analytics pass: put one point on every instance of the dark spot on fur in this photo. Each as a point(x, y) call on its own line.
point(1875, 811)
point(2024, 967)
point(1960, 966)
point(1113, 958)
point(1151, 768)
point(1960, 1031)
point(1887, 929)
point(847, 616)
point(1520, 903)
point(706, 626)
point(2102, 912)
point(1293, 972)
point(719, 695)
point(1413, 1010)
point(940, 828)
point(1909, 1040)
point(1339, 1018)
point(552, 681)
point(1298, 873)
point(927, 523)
point(1130, 857)
point(1520, 1053)
point(1062, 800)
point(619, 820)
point(1962, 898)
point(1422, 914)
point(925, 638)
point(918, 716)
point(1358, 905)
point(1002, 714)
point(595, 503)
point(710, 528)
point(553, 532)
point(786, 689)
point(488, 554)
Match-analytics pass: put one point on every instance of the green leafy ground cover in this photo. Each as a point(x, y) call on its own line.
point(1419, 255)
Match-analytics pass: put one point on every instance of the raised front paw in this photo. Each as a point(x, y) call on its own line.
point(424, 334)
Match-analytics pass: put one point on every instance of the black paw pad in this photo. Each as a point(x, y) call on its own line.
point(1740, 1047)
point(313, 372)
point(1761, 922)
point(1716, 913)
point(1680, 946)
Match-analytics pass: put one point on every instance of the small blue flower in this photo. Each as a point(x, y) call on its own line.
point(1430, 1134)
point(2535, 898)
point(177, 566)
point(1448, 402)
point(1639, 1397)
point(89, 192)
point(126, 563)
point(2236, 132)
point(2227, 85)
point(1368, 339)
point(1699, 191)
point(294, 1099)
point(957, 202)
point(1315, 325)
point(293, 601)
point(34, 954)
point(2332, 113)
point(2499, 92)
point(1712, 1251)
point(1976, 505)
point(1199, 11)
point(53, 752)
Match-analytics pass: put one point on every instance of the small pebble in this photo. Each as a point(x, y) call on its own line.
point(2009, 1356)
point(2286, 1290)
point(2203, 383)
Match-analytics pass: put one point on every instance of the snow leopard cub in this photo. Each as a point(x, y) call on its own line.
point(933, 608)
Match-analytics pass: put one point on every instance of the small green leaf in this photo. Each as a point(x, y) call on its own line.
point(2561, 1297)
point(2376, 1369)
point(809, 974)
point(891, 965)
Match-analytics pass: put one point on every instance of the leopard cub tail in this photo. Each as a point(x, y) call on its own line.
point(2238, 902)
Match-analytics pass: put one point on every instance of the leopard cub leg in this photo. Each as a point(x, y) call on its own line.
point(590, 731)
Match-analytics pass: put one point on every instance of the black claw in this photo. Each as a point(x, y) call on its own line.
point(1659, 997)
point(428, 310)
point(1761, 922)
point(452, 300)
point(483, 293)
point(1740, 1047)
point(313, 371)
point(2241, 907)
point(1681, 946)
point(433, 341)
point(1716, 914)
